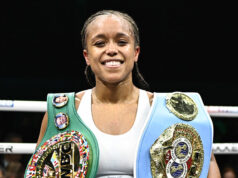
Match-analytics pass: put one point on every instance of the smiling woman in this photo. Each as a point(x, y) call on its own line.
point(126, 34)
point(108, 124)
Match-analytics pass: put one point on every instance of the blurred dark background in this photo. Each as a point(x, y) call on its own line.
point(185, 46)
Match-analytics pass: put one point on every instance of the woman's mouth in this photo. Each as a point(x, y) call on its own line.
point(113, 63)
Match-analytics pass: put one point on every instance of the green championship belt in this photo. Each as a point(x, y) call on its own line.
point(68, 148)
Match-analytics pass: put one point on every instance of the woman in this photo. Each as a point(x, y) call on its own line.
point(115, 109)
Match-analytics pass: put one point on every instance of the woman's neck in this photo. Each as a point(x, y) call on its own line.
point(125, 92)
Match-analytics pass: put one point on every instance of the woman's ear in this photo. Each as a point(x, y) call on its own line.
point(85, 54)
point(137, 52)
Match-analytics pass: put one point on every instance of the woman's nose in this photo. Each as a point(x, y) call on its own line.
point(111, 50)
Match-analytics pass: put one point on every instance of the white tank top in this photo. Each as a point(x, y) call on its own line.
point(117, 152)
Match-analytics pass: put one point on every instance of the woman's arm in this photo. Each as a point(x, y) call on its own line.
point(214, 171)
point(43, 128)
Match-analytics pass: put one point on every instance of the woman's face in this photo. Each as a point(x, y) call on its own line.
point(61, 120)
point(60, 99)
point(111, 52)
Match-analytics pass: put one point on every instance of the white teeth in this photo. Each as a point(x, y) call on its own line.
point(112, 63)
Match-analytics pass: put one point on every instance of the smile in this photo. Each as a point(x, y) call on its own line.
point(112, 63)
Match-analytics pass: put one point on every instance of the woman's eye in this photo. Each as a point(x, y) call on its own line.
point(122, 43)
point(100, 44)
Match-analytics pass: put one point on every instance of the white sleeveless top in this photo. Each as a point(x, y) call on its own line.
point(117, 152)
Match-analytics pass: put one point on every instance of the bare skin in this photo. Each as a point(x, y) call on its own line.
point(111, 54)
point(213, 169)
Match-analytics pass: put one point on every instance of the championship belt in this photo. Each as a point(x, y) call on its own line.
point(177, 139)
point(68, 149)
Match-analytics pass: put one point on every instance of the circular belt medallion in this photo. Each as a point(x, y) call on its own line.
point(177, 153)
point(182, 150)
point(182, 106)
point(60, 100)
point(174, 169)
point(64, 155)
point(61, 120)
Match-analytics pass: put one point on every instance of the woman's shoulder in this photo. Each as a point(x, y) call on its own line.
point(78, 97)
point(150, 96)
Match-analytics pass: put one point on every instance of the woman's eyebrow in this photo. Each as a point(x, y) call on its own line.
point(122, 35)
point(118, 35)
point(99, 36)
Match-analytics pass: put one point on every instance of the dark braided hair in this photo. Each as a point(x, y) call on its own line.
point(135, 31)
